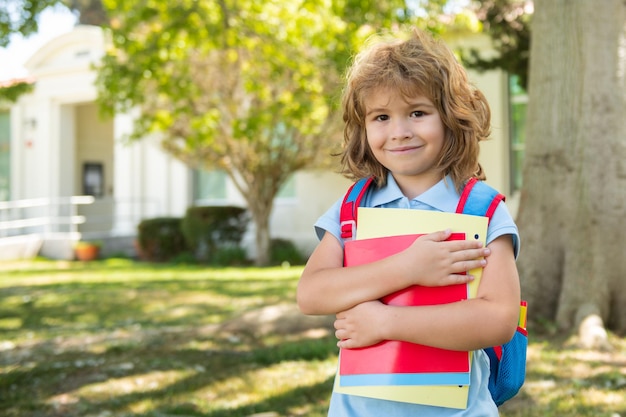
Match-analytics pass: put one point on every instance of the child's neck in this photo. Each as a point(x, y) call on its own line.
point(413, 186)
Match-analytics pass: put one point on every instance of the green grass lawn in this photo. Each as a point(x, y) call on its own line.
point(120, 338)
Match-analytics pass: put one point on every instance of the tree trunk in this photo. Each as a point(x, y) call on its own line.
point(259, 192)
point(261, 216)
point(573, 202)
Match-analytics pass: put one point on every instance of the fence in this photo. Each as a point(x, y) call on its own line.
point(41, 216)
point(26, 224)
point(50, 226)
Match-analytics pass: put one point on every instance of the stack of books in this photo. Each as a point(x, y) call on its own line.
point(403, 371)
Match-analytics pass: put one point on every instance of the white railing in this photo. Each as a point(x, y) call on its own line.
point(41, 216)
point(50, 226)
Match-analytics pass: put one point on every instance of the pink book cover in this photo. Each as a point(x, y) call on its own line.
point(390, 356)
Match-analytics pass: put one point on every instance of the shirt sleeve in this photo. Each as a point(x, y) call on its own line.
point(329, 222)
point(502, 224)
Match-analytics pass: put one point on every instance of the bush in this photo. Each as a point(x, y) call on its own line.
point(283, 250)
point(212, 231)
point(160, 239)
point(230, 256)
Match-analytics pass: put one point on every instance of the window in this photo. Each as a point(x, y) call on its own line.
point(518, 99)
point(5, 156)
point(210, 185)
point(288, 190)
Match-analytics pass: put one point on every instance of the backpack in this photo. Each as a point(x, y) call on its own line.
point(507, 363)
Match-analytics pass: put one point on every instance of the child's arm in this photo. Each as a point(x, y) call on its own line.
point(488, 320)
point(326, 287)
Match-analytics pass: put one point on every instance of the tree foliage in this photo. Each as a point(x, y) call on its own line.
point(507, 22)
point(247, 87)
point(13, 91)
point(239, 86)
point(22, 16)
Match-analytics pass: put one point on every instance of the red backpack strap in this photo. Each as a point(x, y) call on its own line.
point(351, 201)
point(483, 202)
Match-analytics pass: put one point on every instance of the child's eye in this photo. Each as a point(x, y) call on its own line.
point(418, 113)
point(382, 117)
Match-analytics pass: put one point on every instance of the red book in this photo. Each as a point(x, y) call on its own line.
point(390, 356)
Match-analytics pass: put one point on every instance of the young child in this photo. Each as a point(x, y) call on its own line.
point(413, 121)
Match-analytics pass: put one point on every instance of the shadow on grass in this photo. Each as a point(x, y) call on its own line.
point(50, 384)
point(83, 341)
point(88, 306)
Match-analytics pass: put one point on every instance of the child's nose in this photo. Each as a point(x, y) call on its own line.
point(401, 130)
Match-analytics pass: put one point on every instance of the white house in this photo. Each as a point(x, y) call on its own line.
point(54, 145)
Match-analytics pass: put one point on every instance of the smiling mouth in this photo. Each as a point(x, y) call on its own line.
point(404, 149)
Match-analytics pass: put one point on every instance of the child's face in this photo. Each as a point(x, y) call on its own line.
point(405, 135)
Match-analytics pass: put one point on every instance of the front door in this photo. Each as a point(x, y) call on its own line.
point(94, 168)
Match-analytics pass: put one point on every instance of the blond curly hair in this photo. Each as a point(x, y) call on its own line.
point(418, 65)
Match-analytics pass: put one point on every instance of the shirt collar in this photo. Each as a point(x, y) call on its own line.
point(441, 196)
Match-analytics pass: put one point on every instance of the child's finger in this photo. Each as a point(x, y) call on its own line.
point(453, 245)
point(439, 236)
point(469, 254)
point(458, 279)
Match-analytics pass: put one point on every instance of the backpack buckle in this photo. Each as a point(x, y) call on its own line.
point(348, 229)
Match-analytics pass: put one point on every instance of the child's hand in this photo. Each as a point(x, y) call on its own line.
point(432, 261)
point(361, 325)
